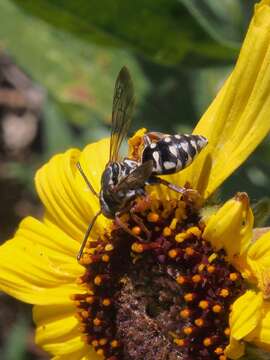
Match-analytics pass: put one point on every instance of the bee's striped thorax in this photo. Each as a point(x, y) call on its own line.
point(171, 153)
point(113, 174)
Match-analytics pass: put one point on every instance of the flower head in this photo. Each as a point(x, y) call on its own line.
point(179, 285)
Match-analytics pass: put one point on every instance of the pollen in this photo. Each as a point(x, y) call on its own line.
point(167, 231)
point(173, 223)
point(137, 248)
point(181, 279)
point(207, 342)
point(109, 247)
point(90, 299)
point(224, 293)
point(201, 267)
point(194, 230)
point(181, 237)
point(189, 297)
point(97, 322)
point(219, 350)
point(169, 279)
point(185, 313)
point(105, 258)
point(114, 343)
point(95, 343)
point(199, 322)
point(103, 341)
point(173, 253)
point(217, 308)
point(189, 251)
point(233, 276)
point(222, 357)
point(153, 217)
point(212, 257)
point(106, 302)
point(180, 342)
point(188, 330)
point(196, 278)
point(203, 304)
point(98, 280)
point(100, 352)
point(136, 230)
point(211, 268)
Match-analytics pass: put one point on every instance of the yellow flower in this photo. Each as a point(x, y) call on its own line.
point(213, 280)
point(231, 229)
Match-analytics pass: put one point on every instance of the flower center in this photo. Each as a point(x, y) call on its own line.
point(163, 293)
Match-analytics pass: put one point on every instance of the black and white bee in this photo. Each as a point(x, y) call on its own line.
point(171, 153)
point(125, 179)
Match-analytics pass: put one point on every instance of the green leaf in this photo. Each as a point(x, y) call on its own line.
point(220, 19)
point(164, 30)
point(261, 211)
point(57, 133)
point(15, 347)
point(254, 353)
point(79, 76)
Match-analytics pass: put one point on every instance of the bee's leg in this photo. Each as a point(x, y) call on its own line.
point(122, 225)
point(87, 235)
point(140, 223)
point(181, 190)
point(154, 180)
point(85, 179)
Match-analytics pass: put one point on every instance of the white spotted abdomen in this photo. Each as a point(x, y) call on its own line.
point(172, 153)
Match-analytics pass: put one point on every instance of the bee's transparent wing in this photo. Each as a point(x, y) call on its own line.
point(137, 178)
point(123, 104)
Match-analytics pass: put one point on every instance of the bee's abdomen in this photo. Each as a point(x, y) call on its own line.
point(173, 153)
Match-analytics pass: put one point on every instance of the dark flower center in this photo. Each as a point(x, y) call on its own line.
point(165, 295)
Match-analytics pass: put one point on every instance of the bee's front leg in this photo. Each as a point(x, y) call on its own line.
point(123, 226)
point(140, 223)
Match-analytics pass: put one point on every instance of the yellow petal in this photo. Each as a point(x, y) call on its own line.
point(244, 318)
point(79, 355)
point(56, 323)
point(261, 335)
point(246, 314)
point(58, 332)
point(69, 203)
point(238, 119)
point(258, 258)
point(94, 158)
point(235, 349)
point(39, 265)
point(231, 227)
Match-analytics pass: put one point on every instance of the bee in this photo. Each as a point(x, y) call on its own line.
point(123, 180)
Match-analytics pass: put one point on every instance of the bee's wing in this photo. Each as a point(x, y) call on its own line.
point(123, 103)
point(136, 178)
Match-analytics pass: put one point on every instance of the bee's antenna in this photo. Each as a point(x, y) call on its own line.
point(85, 179)
point(87, 234)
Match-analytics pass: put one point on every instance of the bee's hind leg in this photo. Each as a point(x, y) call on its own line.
point(187, 193)
point(154, 180)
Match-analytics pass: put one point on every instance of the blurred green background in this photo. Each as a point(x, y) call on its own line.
point(58, 64)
